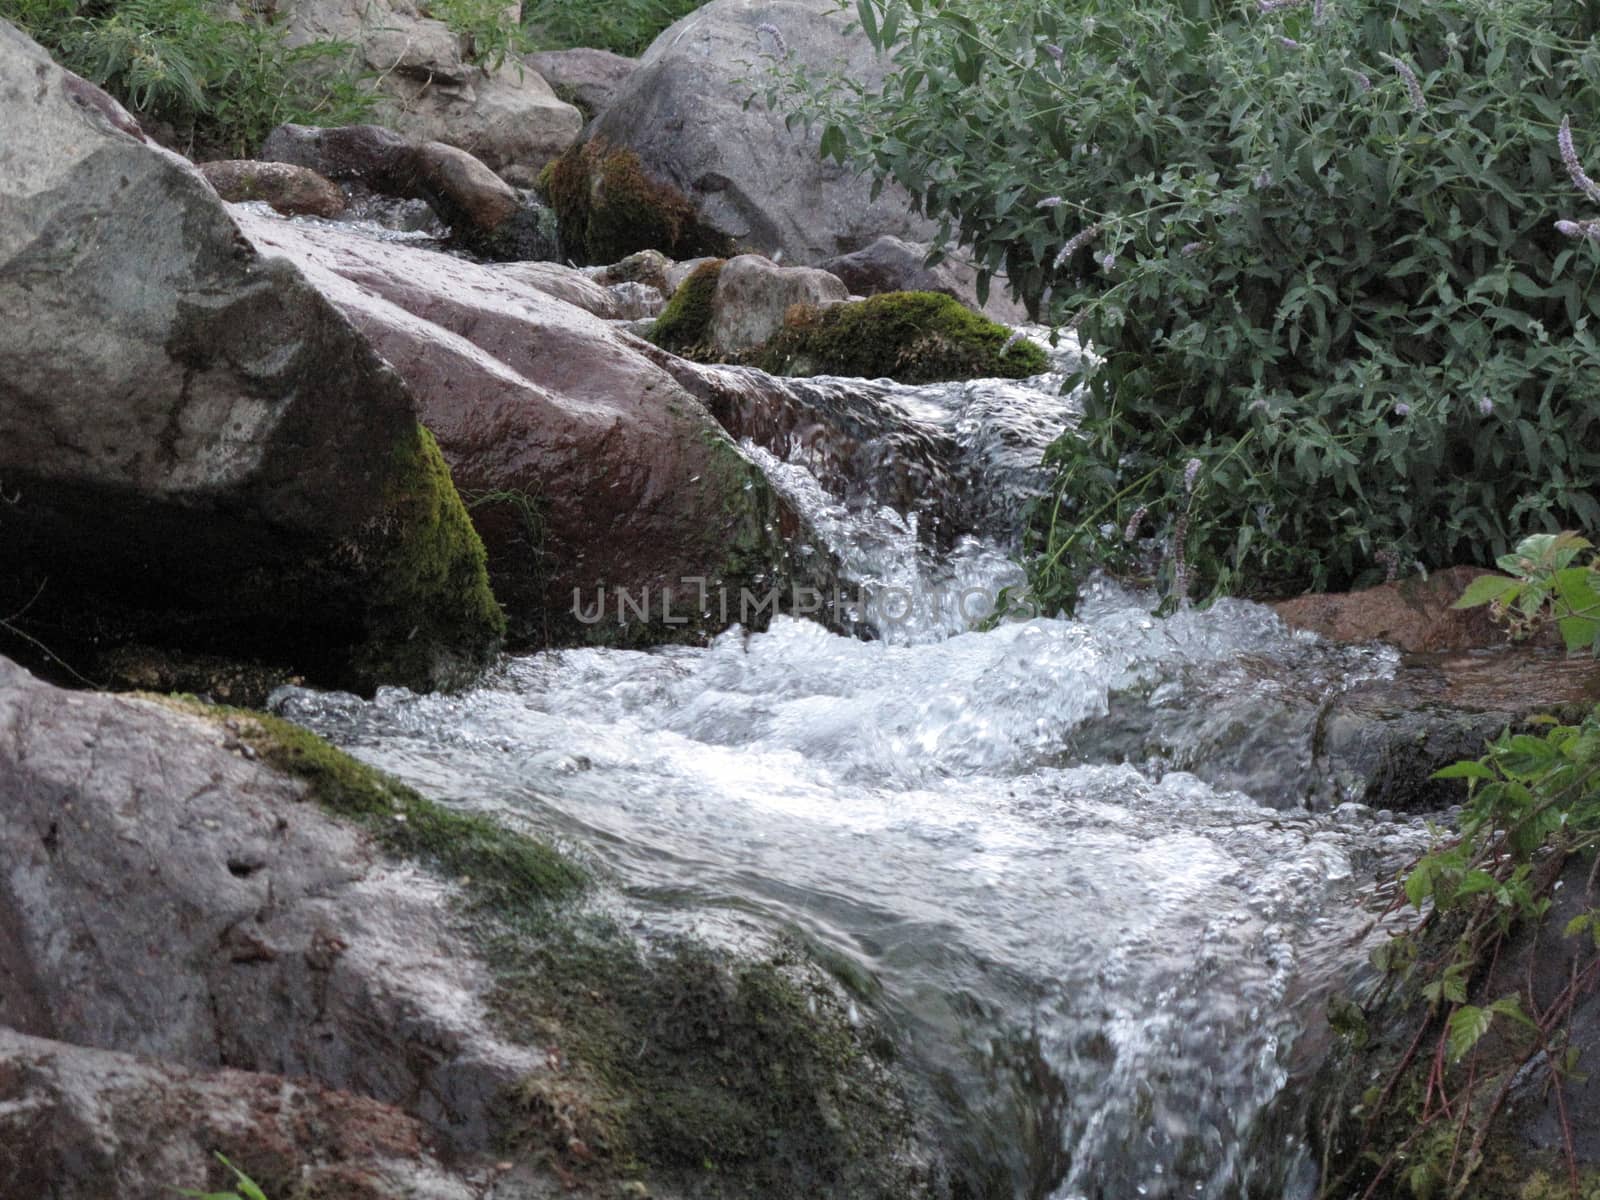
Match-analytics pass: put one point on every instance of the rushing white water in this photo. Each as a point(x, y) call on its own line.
point(926, 804)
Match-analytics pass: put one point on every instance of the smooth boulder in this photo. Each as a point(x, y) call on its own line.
point(614, 506)
point(586, 77)
point(753, 180)
point(431, 90)
point(196, 448)
point(292, 190)
point(753, 294)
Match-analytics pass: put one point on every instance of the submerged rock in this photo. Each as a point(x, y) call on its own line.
point(196, 449)
point(593, 475)
point(686, 113)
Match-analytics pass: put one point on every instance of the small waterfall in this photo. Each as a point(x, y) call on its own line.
point(1098, 963)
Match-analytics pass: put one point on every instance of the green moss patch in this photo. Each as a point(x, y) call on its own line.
point(432, 620)
point(684, 325)
point(913, 337)
point(505, 871)
point(608, 207)
point(717, 1075)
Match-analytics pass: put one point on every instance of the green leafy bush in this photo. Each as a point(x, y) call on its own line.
point(1314, 243)
point(488, 31)
point(221, 84)
point(1546, 582)
point(621, 26)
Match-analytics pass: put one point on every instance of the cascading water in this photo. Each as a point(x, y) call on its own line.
point(1092, 966)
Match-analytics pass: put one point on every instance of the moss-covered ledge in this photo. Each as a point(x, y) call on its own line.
point(675, 1065)
point(911, 337)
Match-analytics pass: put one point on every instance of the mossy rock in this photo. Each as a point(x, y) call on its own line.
point(608, 207)
point(912, 337)
point(673, 1066)
point(709, 1073)
point(432, 620)
point(505, 872)
point(684, 325)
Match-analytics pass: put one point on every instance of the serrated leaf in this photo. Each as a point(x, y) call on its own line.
point(1485, 589)
point(1466, 1028)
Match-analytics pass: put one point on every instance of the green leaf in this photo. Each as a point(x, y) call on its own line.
point(1485, 589)
point(869, 22)
point(1466, 1028)
point(1465, 770)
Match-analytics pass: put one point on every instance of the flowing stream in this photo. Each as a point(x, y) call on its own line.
point(1096, 963)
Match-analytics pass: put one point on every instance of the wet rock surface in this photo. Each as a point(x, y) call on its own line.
point(1314, 738)
point(588, 465)
point(486, 215)
point(197, 449)
point(292, 190)
point(74, 1117)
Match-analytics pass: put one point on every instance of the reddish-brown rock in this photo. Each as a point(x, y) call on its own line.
point(292, 190)
point(586, 464)
point(1414, 614)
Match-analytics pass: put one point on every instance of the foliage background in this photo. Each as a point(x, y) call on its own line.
point(1340, 289)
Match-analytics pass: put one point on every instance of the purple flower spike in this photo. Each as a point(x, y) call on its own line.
point(776, 35)
point(1403, 69)
point(1580, 229)
point(1191, 472)
point(1050, 202)
point(1288, 43)
point(1402, 409)
point(1190, 249)
point(1134, 522)
point(1077, 242)
point(1107, 261)
point(1055, 52)
point(1485, 406)
point(1575, 171)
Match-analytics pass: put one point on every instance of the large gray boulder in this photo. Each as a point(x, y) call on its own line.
point(164, 892)
point(683, 112)
point(196, 448)
point(431, 91)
